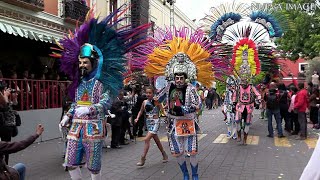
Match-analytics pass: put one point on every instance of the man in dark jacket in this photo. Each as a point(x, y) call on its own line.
point(138, 127)
point(116, 123)
point(13, 147)
point(272, 99)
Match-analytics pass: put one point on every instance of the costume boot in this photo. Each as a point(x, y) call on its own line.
point(184, 170)
point(142, 161)
point(194, 172)
point(245, 138)
point(165, 157)
point(75, 174)
point(96, 176)
point(239, 136)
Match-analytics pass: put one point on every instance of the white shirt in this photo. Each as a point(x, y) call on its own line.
point(315, 79)
point(205, 94)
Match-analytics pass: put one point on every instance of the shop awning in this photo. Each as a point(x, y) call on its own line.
point(31, 33)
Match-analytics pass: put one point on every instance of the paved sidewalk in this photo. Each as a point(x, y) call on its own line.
point(264, 158)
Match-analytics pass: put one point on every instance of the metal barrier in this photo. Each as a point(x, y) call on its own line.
point(37, 94)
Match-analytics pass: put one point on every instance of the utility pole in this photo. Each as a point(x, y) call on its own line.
point(171, 2)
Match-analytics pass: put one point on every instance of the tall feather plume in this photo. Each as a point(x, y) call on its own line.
point(112, 44)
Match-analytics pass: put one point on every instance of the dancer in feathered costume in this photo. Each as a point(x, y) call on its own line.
point(229, 107)
point(183, 57)
point(93, 57)
point(246, 64)
point(249, 49)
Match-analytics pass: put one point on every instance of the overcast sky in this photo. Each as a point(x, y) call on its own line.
point(196, 9)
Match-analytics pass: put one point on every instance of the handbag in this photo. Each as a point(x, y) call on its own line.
point(18, 118)
point(9, 173)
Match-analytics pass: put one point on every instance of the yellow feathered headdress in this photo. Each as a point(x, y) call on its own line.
point(179, 52)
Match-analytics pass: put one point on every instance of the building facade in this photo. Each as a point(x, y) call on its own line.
point(147, 11)
point(160, 15)
point(293, 71)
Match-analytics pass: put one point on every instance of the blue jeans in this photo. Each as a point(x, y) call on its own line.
point(277, 116)
point(21, 168)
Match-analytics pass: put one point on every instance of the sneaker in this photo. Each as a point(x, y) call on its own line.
point(270, 136)
point(234, 136)
point(229, 134)
point(294, 133)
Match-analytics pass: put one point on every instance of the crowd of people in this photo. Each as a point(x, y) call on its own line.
point(291, 106)
point(45, 91)
point(96, 57)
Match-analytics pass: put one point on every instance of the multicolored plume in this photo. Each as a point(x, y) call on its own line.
point(154, 56)
point(112, 44)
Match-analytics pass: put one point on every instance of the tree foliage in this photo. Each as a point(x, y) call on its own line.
point(314, 65)
point(303, 36)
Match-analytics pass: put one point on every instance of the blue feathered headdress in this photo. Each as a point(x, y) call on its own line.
point(268, 21)
point(220, 26)
point(110, 44)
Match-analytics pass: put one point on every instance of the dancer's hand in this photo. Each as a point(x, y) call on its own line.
point(64, 121)
point(39, 129)
point(136, 120)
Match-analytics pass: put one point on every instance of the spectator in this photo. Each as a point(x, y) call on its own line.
point(43, 91)
point(138, 127)
point(272, 99)
point(315, 79)
point(263, 92)
point(300, 106)
point(293, 114)
point(284, 105)
point(210, 97)
point(7, 117)
point(15, 89)
point(313, 107)
point(205, 94)
point(26, 90)
point(116, 123)
point(125, 116)
point(310, 87)
point(13, 147)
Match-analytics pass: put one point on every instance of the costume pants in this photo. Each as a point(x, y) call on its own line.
point(181, 144)
point(91, 149)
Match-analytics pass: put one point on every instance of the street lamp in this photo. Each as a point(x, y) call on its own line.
point(171, 2)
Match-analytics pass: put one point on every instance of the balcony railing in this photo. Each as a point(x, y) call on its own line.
point(34, 5)
point(75, 11)
point(37, 94)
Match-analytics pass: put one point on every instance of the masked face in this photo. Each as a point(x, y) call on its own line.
point(85, 66)
point(180, 80)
